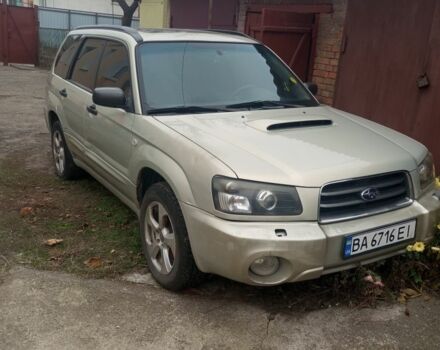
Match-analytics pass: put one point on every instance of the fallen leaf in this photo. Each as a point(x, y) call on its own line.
point(25, 211)
point(410, 293)
point(401, 299)
point(93, 262)
point(53, 241)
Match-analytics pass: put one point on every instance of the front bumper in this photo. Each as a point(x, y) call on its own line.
point(307, 251)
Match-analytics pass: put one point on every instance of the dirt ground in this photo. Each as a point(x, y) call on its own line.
point(35, 206)
point(52, 298)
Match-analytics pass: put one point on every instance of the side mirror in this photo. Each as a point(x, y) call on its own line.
point(313, 88)
point(109, 97)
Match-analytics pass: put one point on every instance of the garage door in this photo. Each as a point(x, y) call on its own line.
point(202, 14)
point(389, 69)
point(290, 34)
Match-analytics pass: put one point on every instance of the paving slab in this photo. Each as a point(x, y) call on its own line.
point(52, 310)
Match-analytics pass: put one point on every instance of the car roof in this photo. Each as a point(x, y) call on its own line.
point(150, 35)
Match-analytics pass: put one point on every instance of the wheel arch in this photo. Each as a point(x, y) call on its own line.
point(159, 167)
point(52, 117)
point(146, 178)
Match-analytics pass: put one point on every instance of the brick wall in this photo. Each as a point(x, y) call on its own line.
point(328, 45)
point(328, 48)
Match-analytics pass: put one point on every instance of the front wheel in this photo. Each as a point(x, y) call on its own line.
point(165, 240)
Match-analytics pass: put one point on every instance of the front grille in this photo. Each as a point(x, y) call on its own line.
point(343, 200)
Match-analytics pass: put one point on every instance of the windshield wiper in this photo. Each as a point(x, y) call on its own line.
point(261, 104)
point(185, 110)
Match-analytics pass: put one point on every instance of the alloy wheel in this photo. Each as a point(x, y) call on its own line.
point(160, 238)
point(58, 151)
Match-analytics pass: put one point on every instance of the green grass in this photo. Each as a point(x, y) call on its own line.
point(89, 219)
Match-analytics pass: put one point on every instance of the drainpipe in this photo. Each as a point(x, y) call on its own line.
point(210, 14)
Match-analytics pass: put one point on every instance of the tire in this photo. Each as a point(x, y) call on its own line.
point(65, 168)
point(165, 242)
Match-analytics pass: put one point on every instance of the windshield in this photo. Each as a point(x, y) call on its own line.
point(216, 76)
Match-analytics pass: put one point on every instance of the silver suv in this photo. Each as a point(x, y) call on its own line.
point(231, 164)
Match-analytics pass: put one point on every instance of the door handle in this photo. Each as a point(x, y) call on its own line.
point(92, 109)
point(63, 92)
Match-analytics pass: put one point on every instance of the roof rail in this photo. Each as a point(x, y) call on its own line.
point(128, 30)
point(232, 32)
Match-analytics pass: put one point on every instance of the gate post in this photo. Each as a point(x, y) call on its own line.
point(37, 36)
point(4, 14)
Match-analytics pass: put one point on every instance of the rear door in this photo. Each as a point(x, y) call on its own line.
point(108, 132)
point(60, 88)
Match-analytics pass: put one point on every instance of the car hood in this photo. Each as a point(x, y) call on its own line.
point(302, 146)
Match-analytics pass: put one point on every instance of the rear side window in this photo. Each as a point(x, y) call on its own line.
point(66, 55)
point(86, 65)
point(114, 70)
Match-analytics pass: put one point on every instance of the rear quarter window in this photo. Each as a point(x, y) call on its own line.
point(66, 55)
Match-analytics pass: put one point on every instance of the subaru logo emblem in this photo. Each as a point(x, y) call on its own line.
point(369, 194)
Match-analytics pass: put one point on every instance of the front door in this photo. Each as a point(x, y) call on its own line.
point(108, 130)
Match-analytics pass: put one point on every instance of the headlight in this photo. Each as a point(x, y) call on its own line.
point(254, 198)
point(426, 171)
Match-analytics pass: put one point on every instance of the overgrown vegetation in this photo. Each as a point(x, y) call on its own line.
point(96, 235)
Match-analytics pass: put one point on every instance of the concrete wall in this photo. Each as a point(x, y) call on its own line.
point(328, 42)
point(154, 14)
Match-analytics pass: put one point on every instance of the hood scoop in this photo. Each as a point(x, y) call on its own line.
point(278, 124)
point(298, 124)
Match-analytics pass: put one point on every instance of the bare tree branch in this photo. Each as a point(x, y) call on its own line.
point(123, 4)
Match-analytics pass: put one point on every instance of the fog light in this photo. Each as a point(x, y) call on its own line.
point(265, 266)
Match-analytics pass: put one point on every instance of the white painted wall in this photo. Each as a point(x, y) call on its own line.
point(102, 6)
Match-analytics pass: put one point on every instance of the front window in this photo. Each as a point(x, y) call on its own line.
point(227, 76)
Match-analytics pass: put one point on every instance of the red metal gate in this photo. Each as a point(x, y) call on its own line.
point(290, 34)
point(202, 14)
point(390, 69)
point(18, 34)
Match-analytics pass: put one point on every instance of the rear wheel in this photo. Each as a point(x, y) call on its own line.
point(165, 240)
point(65, 168)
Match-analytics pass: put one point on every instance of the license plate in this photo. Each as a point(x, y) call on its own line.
point(381, 237)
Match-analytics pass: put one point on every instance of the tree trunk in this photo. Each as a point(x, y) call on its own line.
point(129, 11)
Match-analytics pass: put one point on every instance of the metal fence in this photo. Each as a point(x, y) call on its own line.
point(56, 23)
